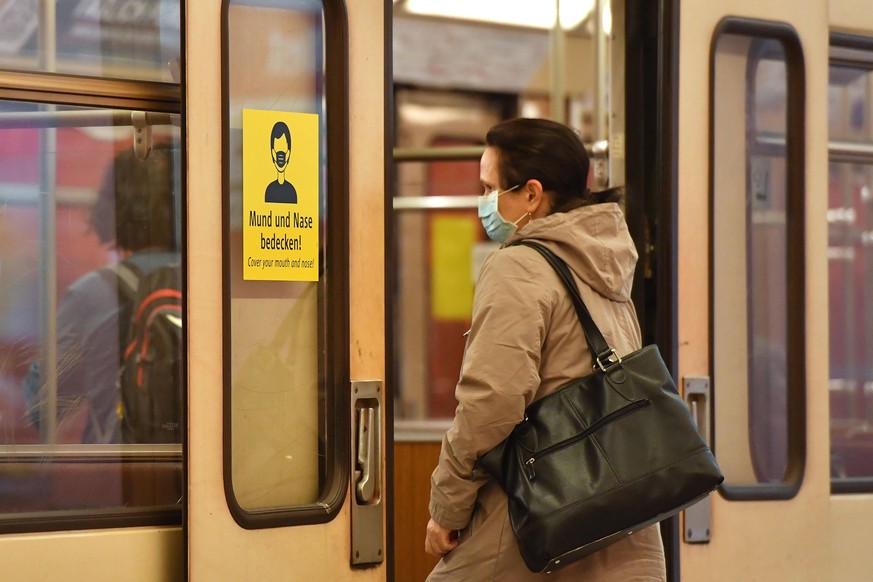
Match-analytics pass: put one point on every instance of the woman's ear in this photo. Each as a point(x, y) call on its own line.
point(537, 201)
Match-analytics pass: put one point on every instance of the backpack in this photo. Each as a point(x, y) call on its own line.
point(150, 376)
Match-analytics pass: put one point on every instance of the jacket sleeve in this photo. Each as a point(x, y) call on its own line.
point(499, 378)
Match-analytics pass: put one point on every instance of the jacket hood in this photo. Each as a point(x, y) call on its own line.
point(595, 243)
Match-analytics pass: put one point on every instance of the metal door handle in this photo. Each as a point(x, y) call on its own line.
point(698, 517)
point(365, 434)
point(697, 396)
point(368, 455)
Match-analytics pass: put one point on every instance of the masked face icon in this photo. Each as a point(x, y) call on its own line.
point(281, 153)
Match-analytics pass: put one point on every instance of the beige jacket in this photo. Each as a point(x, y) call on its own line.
point(526, 342)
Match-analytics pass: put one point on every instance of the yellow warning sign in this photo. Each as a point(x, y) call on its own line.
point(280, 196)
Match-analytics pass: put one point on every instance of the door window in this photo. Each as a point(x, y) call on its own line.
point(285, 268)
point(757, 258)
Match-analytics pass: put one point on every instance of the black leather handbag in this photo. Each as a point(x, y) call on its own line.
point(603, 456)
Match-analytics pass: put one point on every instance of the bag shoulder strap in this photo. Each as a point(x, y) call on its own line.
point(603, 355)
point(129, 277)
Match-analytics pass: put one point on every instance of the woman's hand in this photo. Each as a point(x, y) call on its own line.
point(439, 541)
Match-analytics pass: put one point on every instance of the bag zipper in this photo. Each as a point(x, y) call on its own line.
point(611, 417)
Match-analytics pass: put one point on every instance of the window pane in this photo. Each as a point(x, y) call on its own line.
point(132, 39)
point(750, 213)
point(282, 451)
point(850, 276)
point(84, 220)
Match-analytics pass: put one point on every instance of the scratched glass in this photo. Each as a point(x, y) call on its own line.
point(123, 39)
point(281, 445)
point(850, 274)
point(76, 200)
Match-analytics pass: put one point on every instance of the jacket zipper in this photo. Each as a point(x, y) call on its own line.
point(611, 417)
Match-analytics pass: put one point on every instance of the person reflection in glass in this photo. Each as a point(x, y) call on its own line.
point(281, 190)
point(134, 216)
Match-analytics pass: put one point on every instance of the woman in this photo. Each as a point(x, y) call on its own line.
point(526, 342)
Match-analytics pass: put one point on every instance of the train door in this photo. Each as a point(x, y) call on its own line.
point(751, 252)
point(285, 147)
point(91, 199)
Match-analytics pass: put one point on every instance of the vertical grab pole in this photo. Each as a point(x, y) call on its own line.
point(48, 240)
point(557, 62)
point(601, 74)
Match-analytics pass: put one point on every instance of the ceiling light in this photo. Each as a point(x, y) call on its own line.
point(606, 20)
point(512, 12)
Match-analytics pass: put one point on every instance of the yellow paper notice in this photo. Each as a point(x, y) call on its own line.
point(280, 196)
point(451, 256)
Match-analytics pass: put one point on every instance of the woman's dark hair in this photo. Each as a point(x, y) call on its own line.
point(614, 194)
point(547, 151)
point(135, 205)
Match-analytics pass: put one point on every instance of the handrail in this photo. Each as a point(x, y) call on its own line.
point(845, 151)
point(95, 118)
point(438, 154)
point(435, 202)
point(426, 430)
point(90, 452)
point(467, 153)
point(49, 87)
point(850, 151)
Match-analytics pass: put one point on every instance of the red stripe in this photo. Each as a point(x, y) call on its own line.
point(142, 353)
point(145, 342)
point(151, 298)
point(154, 296)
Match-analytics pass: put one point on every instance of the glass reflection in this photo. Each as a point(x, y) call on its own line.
point(133, 39)
point(750, 251)
point(280, 451)
point(84, 217)
point(850, 269)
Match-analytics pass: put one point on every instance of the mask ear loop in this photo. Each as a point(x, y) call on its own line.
point(502, 192)
point(529, 218)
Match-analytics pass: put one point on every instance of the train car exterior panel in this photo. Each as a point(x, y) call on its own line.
point(137, 554)
point(807, 532)
point(735, 551)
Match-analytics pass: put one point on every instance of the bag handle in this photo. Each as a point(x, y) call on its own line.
point(604, 356)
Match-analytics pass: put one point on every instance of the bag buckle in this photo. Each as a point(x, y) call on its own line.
point(608, 360)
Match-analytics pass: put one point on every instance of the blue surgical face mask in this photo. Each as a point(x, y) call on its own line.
point(498, 228)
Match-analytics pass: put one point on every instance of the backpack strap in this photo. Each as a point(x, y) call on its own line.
point(128, 278)
point(124, 280)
